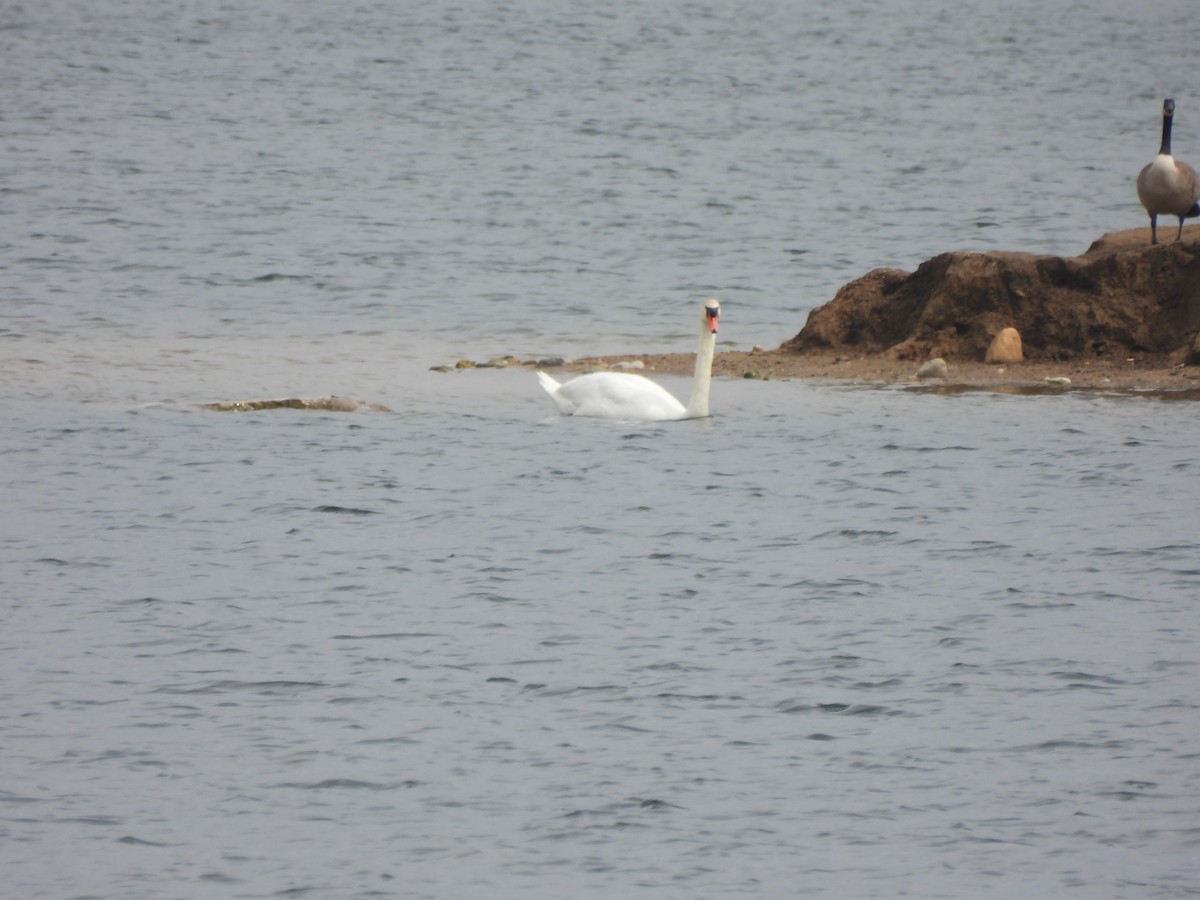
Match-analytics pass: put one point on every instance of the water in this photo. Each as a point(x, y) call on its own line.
point(835, 641)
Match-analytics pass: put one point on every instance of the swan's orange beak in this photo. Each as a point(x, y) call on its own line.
point(713, 315)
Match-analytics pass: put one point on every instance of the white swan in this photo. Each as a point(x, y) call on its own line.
point(621, 395)
point(1168, 187)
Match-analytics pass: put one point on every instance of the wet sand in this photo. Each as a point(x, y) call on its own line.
point(1132, 374)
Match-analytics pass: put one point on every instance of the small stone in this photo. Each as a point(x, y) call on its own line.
point(933, 368)
point(629, 364)
point(1005, 348)
point(551, 362)
point(1058, 379)
point(501, 362)
point(464, 364)
point(758, 348)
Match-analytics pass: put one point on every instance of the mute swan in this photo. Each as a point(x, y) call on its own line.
point(1167, 186)
point(621, 395)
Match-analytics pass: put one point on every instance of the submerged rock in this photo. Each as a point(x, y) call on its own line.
point(1122, 297)
point(328, 404)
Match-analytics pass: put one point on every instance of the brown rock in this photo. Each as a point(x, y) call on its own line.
point(1122, 298)
point(1005, 347)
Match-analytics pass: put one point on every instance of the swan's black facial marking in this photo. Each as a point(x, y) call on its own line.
point(713, 314)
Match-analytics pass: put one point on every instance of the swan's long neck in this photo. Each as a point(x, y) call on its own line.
point(697, 406)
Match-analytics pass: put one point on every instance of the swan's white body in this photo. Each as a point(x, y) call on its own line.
point(621, 395)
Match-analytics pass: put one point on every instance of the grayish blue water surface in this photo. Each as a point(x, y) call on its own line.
point(835, 641)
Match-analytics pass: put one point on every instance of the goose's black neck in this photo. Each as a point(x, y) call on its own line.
point(1168, 118)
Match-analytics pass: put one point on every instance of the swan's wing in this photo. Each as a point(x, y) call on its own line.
point(615, 395)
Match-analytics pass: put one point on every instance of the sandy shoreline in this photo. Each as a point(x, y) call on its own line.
point(1136, 374)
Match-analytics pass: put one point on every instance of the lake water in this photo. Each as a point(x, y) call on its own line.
point(835, 641)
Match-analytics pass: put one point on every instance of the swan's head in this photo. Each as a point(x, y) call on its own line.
point(1168, 108)
point(711, 313)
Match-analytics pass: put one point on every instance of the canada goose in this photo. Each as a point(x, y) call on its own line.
point(1167, 186)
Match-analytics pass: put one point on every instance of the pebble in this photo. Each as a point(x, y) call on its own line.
point(499, 362)
point(933, 368)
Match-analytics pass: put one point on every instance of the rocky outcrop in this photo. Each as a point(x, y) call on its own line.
point(1122, 297)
